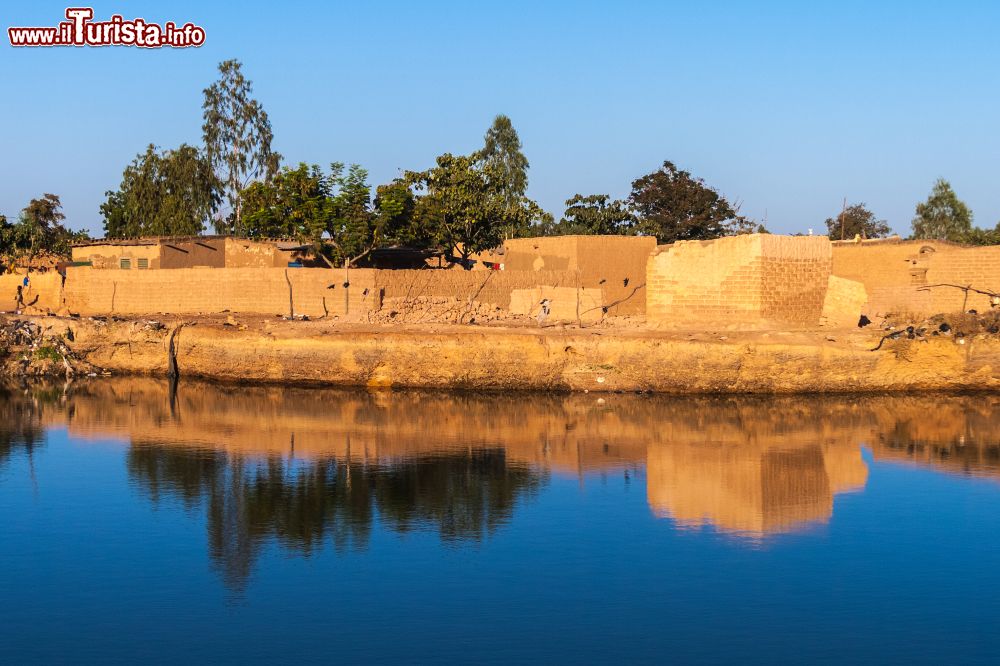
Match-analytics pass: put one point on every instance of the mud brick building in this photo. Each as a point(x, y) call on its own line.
point(188, 252)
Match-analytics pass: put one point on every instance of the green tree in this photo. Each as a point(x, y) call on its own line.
point(673, 205)
point(238, 138)
point(7, 239)
point(979, 236)
point(296, 203)
point(596, 214)
point(943, 216)
point(395, 208)
point(162, 194)
point(40, 231)
point(503, 161)
point(335, 212)
point(353, 232)
point(856, 220)
point(463, 206)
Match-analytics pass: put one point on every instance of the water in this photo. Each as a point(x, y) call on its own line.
point(280, 525)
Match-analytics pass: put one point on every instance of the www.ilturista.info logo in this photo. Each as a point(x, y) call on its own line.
point(80, 30)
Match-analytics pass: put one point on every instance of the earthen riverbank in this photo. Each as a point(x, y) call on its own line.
point(267, 350)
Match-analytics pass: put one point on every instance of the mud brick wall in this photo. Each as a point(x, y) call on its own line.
point(614, 264)
point(749, 279)
point(897, 274)
point(845, 302)
point(46, 287)
point(976, 266)
point(892, 271)
point(315, 292)
point(493, 287)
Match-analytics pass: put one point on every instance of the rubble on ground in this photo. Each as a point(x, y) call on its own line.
point(960, 326)
point(38, 348)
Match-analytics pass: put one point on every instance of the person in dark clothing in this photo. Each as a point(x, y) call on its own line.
point(19, 303)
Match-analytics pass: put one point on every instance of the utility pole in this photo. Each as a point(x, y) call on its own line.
point(843, 214)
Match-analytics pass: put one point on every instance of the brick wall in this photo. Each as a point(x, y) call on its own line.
point(845, 302)
point(614, 264)
point(265, 290)
point(211, 290)
point(47, 287)
point(976, 266)
point(749, 279)
point(896, 274)
point(493, 287)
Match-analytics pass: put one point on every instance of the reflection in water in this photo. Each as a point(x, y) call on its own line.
point(465, 495)
point(20, 422)
point(304, 467)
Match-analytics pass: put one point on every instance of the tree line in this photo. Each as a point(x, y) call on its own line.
point(943, 216)
point(462, 204)
point(234, 183)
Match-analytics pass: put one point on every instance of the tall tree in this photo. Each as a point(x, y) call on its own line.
point(162, 194)
point(39, 231)
point(238, 138)
point(504, 161)
point(673, 205)
point(596, 214)
point(943, 216)
point(466, 207)
point(856, 220)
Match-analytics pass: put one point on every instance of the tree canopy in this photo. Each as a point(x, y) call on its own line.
point(171, 193)
point(856, 220)
point(595, 214)
point(943, 216)
point(503, 160)
point(465, 208)
point(39, 231)
point(237, 134)
point(335, 212)
point(673, 205)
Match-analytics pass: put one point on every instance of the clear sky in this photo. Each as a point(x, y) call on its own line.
point(785, 106)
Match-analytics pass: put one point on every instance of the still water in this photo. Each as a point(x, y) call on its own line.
point(249, 525)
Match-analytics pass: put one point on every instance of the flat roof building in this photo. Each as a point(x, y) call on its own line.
point(189, 252)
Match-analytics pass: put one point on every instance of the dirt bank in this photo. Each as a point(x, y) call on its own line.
point(469, 357)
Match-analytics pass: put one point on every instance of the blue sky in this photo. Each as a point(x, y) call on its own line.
point(786, 107)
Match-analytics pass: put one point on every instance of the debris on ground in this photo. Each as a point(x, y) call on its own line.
point(960, 326)
point(29, 348)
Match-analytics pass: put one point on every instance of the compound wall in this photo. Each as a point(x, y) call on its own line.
point(614, 264)
point(749, 279)
point(901, 276)
point(44, 291)
point(267, 291)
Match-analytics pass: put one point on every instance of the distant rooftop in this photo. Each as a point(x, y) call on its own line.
point(282, 243)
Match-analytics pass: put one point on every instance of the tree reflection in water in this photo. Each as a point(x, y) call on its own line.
point(307, 467)
point(21, 429)
point(464, 496)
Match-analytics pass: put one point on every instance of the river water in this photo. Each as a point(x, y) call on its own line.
point(221, 524)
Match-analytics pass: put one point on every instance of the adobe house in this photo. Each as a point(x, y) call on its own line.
point(188, 252)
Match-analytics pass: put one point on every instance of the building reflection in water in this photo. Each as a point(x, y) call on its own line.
point(309, 466)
